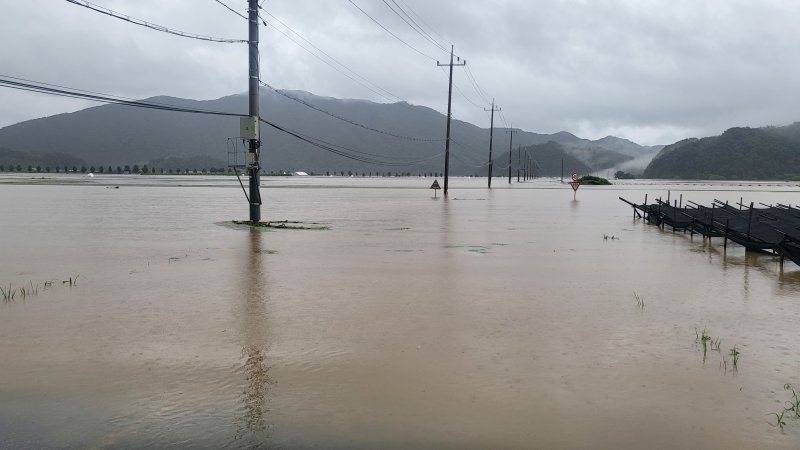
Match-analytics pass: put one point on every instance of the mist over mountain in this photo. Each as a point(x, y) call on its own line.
point(770, 153)
point(411, 138)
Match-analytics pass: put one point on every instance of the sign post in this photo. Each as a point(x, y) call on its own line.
point(575, 183)
point(435, 186)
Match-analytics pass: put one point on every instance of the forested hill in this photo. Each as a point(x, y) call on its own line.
point(770, 153)
point(396, 137)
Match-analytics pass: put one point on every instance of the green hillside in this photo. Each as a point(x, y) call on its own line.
point(771, 153)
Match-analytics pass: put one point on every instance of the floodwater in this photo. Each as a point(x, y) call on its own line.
point(491, 319)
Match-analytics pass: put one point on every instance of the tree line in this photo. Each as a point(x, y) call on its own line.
point(145, 170)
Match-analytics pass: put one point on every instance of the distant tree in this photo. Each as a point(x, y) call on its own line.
point(195, 171)
point(91, 169)
point(47, 169)
point(203, 170)
point(152, 170)
point(128, 169)
point(74, 169)
point(145, 169)
point(327, 173)
point(162, 171)
point(135, 168)
point(39, 169)
point(119, 169)
point(101, 169)
point(30, 168)
point(2, 168)
point(83, 169)
point(19, 168)
point(110, 170)
point(58, 169)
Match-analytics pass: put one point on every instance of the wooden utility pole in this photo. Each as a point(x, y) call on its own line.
point(449, 103)
point(510, 141)
point(253, 151)
point(491, 131)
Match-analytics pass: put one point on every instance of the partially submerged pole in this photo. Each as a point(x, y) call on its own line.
point(449, 115)
point(254, 160)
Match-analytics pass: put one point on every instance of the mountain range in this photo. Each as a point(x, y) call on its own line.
point(391, 137)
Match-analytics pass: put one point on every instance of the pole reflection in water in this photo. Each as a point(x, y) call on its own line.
point(256, 341)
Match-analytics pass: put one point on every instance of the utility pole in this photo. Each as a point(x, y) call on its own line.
point(449, 102)
point(519, 156)
point(491, 131)
point(253, 151)
point(525, 170)
point(511, 139)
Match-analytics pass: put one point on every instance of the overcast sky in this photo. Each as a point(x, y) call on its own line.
point(651, 71)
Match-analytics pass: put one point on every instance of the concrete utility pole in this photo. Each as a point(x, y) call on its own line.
point(491, 131)
point(512, 131)
point(449, 102)
point(519, 156)
point(254, 152)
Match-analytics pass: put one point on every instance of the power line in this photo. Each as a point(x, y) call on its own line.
point(394, 35)
point(414, 27)
point(62, 91)
point(152, 26)
point(475, 85)
point(331, 58)
point(462, 93)
point(421, 19)
point(231, 9)
point(343, 119)
point(344, 151)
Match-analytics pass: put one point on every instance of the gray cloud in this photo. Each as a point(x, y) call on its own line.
point(650, 71)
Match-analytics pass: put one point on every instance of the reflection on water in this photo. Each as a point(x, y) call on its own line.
point(255, 397)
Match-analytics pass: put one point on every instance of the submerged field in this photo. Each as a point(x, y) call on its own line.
point(516, 317)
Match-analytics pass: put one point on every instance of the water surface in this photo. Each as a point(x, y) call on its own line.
point(491, 319)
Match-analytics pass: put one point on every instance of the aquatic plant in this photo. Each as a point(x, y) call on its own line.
point(779, 422)
point(8, 294)
point(735, 354)
point(639, 300)
point(794, 403)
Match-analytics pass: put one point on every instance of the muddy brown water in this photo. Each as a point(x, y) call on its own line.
point(491, 319)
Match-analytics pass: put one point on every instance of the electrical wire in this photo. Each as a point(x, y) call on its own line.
point(152, 26)
point(394, 35)
point(231, 9)
point(475, 85)
point(422, 20)
point(344, 151)
point(26, 85)
point(343, 119)
point(444, 72)
point(331, 58)
point(414, 27)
